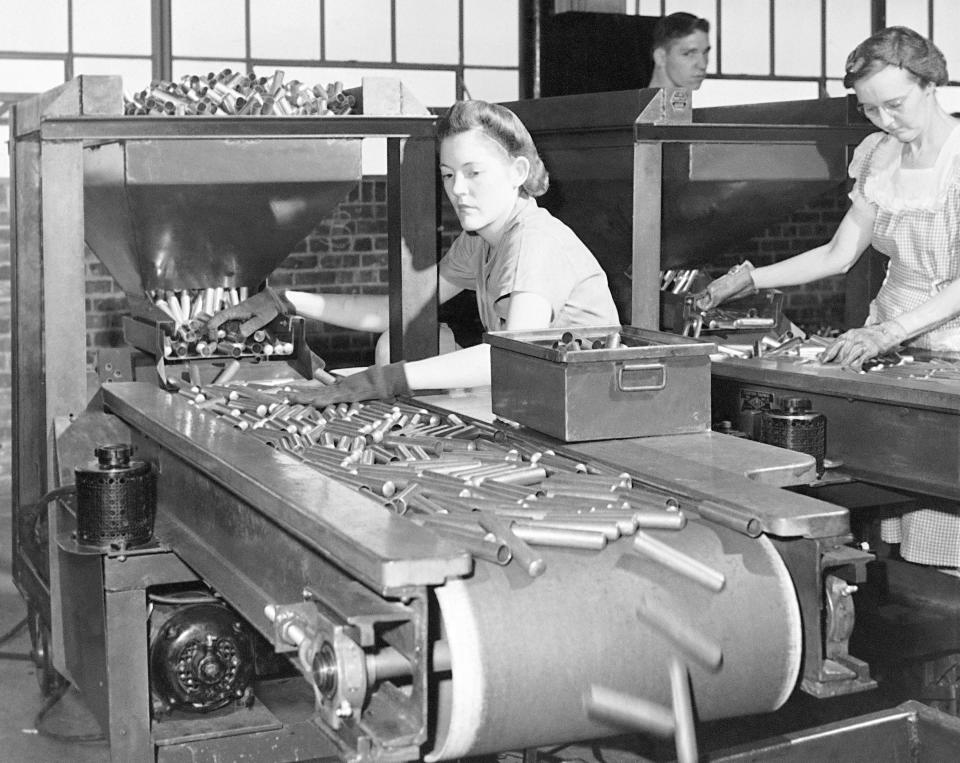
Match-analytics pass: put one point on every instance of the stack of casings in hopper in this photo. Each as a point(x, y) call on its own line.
point(197, 212)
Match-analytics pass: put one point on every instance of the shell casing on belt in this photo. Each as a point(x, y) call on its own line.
point(460, 478)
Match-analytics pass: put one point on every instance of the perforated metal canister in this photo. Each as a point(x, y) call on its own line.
point(116, 499)
point(794, 426)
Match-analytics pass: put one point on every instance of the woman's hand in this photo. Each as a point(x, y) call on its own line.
point(853, 348)
point(373, 383)
point(256, 311)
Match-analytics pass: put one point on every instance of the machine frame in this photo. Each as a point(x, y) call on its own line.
point(357, 583)
point(50, 133)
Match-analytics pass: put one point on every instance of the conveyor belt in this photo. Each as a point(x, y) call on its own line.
point(525, 654)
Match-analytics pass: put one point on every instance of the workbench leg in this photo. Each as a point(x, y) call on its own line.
point(128, 680)
point(412, 244)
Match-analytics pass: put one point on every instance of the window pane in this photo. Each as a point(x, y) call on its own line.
point(19, 75)
point(288, 30)
point(373, 156)
point(490, 32)
point(492, 84)
point(949, 97)
point(728, 92)
point(705, 9)
point(435, 43)
point(797, 43)
point(185, 67)
point(208, 28)
point(92, 35)
point(946, 14)
point(40, 26)
point(358, 30)
point(835, 88)
point(848, 24)
point(430, 88)
point(911, 13)
point(136, 72)
point(746, 37)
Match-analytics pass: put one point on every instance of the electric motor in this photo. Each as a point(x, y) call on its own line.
point(201, 658)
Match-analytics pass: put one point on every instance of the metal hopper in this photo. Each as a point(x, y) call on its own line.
point(198, 212)
point(649, 184)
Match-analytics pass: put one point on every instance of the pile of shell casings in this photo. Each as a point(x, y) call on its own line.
point(494, 493)
point(570, 342)
point(236, 93)
point(678, 281)
point(188, 336)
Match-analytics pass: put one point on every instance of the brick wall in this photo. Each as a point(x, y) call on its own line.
point(815, 307)
point(347, 253)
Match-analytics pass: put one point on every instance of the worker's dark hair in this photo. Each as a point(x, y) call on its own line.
point(503, 126)
point(675, 26)
point(897, 46)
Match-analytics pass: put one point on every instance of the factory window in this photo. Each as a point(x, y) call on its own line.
point(92, 36)
point(745, 45)
point(795, 25)
point(136, 72)
point(908, 13)
point(946, 19)
point(358, 30)
point(490, 32)
point(848, 23)
point(803, 45)
point(208, 28)
point(39, 26)
point(287, 30)
point(30, 75)
point(435, 43)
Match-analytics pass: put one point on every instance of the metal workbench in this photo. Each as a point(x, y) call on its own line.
point(889, 430)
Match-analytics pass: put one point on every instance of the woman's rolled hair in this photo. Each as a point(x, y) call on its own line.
point(897, 46)
point(503, 126)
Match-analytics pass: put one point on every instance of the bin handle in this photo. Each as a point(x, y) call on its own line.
point(662, 369)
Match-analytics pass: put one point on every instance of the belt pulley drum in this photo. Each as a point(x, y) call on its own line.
point(524, 653)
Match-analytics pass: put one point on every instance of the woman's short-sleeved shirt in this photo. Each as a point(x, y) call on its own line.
point(537, 253)
point(917, 225)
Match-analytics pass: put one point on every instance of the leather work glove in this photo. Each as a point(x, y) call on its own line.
point(735, 283)
point(255, 312)
point(373, 383)
point(853, 348)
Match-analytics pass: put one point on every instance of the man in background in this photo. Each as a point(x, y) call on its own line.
point(681, 51)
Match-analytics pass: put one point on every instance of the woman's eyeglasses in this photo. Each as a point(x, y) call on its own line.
point(892, 108)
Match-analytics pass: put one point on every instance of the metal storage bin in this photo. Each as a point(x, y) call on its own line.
point(653, 383)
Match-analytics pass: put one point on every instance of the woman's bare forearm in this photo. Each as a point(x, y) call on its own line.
point(462, 368)
point(361, 312)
